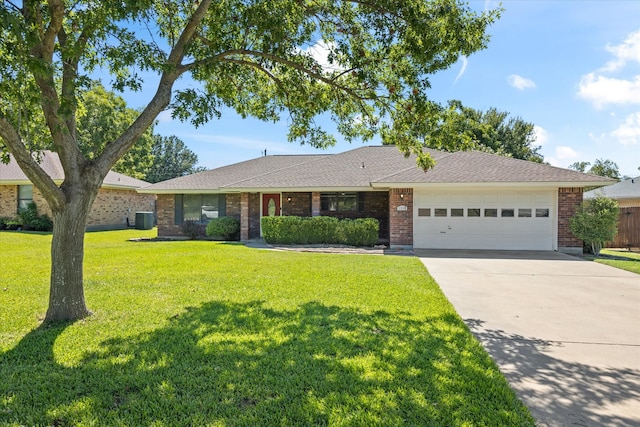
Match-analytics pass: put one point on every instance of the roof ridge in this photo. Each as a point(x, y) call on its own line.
point(319, 157)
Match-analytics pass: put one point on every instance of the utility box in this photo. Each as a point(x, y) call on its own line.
point(144, 220)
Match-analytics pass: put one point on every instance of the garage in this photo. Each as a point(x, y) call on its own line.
point(499, 219)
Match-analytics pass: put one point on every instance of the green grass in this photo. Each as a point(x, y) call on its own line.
point(630, 261)
point(205, 333)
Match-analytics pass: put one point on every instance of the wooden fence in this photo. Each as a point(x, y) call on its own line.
point(628, 229)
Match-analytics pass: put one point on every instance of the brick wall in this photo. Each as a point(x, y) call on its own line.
point(110, 209)
point(167, 216)
point(8, 201)
point(401, 222)
point(300, 204)
point(244, 216)
point(568, 200)
point(254, 215)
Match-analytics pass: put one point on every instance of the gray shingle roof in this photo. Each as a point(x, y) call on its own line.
point(627, 189)
point(383, 165)
point(50, 163)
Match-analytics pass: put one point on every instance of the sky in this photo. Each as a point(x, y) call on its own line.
point(570, 67)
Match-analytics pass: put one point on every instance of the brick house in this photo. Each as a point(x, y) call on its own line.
point(116, 203)
point(469, 200)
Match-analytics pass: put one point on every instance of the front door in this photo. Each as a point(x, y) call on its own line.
point(271, 205)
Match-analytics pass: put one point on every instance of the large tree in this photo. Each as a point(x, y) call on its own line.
point(492, 130)
point(252, 56)
point(171, 159)
point(102, 116)
point(601, 167)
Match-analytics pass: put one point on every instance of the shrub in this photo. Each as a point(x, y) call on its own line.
point(30, 220)
point(596, 222)
point(223, 228)
point(3, 222)
point(192, 229)
point(320, 230)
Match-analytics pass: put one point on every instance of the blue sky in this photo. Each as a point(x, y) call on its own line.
point(570, 67)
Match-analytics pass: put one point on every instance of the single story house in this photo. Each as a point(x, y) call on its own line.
point(115, 206)
point(627, 193)
point(469, 200)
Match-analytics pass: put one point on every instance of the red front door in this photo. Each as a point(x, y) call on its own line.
point(271, 205)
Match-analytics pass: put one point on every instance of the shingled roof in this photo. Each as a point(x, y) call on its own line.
point(11, 174)
point(627, 189)
point(366, 167)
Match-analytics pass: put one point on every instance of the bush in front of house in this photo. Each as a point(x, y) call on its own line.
point(595, 222)
point(192, 229)
point(223, 228)
point(294, 230)
point(30, 220)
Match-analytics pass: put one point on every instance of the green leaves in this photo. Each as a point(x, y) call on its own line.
point(596, 221)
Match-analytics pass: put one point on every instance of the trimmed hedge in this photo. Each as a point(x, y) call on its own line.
point(223, 228)
point(295, 230)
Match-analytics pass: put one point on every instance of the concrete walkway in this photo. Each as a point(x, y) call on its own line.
point(564, 331)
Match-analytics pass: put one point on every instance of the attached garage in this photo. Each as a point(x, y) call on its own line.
point(500, 219)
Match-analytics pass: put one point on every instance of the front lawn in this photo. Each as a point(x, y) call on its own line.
point(205, 333)
point(622, 259)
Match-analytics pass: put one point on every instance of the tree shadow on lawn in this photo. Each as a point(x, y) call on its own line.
point(559, 392)
point(230, 364)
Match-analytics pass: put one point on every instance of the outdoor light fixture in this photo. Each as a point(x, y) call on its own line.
point(289, 199)
point(402, 196)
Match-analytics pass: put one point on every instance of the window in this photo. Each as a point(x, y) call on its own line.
point(507, 213)
point(473, 212)
point(440, 212)
point(457, 212)
point(524, 213)
point(25, 195)
point(424, 212)
point(542, 213)
point(199, 207)
point(491, 213)
point(340, 202)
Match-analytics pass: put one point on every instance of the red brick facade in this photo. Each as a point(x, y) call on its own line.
point(401, 217)
point(167, 216)
point(568, 200)
point(298, 205)
point(111, 208)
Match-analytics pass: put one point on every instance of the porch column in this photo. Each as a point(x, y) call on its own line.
point(568, 201)
point(315, 203)
point(401, 217)
point(244, 217)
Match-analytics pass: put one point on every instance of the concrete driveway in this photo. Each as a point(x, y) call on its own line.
point(564, 331)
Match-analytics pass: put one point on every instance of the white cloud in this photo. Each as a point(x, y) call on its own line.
point(520, 83)
point(542, 136)
point(465, 62)
point(165, 116)
point(320, 52)
point(628, 51)
point(603, 90)
point(566, 153)
point(628, 133)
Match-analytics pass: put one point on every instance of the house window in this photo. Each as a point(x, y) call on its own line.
point(424, 212)
point(473, 212)
point(491, 213)
point(457, 212)
point(507, 213)
point(25, 196)
point(524, 213)
point(440, 212)
point(542, 213)
point(341, 202)
point(200, 208)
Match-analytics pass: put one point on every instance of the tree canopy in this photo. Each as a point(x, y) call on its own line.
point(601, 167)
point(171, 159)
point(253, 56)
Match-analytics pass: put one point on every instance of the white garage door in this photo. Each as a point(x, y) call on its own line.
point(506, 220)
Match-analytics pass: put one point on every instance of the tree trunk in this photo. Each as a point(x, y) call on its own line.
point(66, 294)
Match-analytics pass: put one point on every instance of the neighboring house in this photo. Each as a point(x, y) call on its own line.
point(115, 206)
point(469, 200)
point(627, 193)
